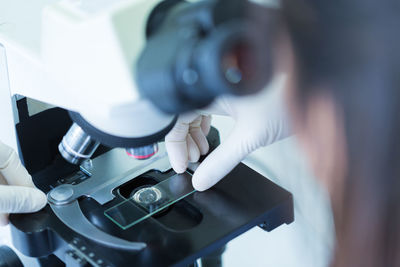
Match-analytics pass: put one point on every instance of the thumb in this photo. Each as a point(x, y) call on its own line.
point(21, 199)
point(222, 160)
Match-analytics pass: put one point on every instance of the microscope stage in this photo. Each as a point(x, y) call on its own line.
point(180, 233)
point(113, 212)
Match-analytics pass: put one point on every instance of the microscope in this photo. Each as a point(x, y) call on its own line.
point(111, 77)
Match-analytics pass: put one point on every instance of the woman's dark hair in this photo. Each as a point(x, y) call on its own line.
point(351, 48)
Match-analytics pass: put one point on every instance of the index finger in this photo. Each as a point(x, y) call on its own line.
point(11, 168)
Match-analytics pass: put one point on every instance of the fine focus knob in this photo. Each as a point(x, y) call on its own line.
point(144, 152)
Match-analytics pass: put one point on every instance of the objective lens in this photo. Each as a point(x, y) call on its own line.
point(144, 152)
point(77, 146)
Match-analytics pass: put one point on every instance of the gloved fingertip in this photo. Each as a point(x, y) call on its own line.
point(200, 187)
point(193, 150)
point(194, 158)
point(3, 219)
point(6, 154)
point(206, 124)
point(200, 184)
point(179, 167)
point(204, 149)
point(40, 200)
point(179, 170)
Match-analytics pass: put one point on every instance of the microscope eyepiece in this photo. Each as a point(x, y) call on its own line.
point(199, 51)
point(77, 146)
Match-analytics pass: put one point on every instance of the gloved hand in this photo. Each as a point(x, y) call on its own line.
point(17, 191)
point(260, 120)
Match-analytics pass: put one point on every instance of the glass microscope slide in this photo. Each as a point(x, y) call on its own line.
point(148, 201)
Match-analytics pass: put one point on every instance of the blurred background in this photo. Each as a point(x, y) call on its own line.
point(308, 241)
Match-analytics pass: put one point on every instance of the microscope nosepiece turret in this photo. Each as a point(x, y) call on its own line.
point(83, 138)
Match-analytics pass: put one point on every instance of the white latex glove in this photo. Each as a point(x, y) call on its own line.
point(17, 191)
point(260, 120)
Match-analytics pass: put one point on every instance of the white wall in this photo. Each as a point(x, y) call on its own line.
point(7, 129)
